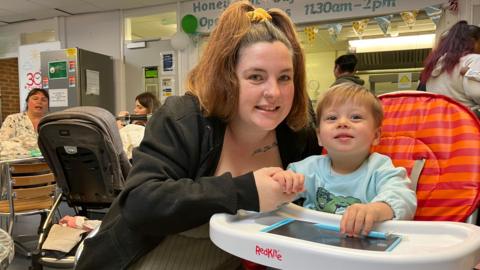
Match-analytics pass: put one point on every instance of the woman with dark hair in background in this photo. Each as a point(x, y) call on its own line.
point(132, 134)
point(18, 133)
point(453, 67)
point(145, 103)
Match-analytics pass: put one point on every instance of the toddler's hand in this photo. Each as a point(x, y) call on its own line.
point(359, 218)
point(290, 181)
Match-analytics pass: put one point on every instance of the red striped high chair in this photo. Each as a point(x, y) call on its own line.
point(438, 141)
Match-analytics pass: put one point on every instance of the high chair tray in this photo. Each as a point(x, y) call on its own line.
point(424, 245)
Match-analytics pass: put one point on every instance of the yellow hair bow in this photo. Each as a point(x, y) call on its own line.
point(259, 15)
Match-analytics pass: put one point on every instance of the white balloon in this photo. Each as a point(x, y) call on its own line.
point(180, 40)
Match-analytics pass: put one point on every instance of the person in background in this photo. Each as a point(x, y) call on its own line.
point(18, 133)
point(213, 150)
point(365, 187)
point(453, 67)
point(146, 103)
point(344, 71)
point(132, 134)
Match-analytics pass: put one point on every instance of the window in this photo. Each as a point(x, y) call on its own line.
point(151, 27)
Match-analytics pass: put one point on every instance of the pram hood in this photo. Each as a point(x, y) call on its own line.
point(105, 122)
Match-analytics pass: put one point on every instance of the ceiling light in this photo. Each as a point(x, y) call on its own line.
point(392, 43)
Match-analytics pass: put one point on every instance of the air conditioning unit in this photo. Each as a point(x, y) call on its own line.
point(392, 59)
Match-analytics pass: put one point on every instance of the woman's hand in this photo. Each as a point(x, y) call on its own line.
point(120, 123)
point(270, 192)
point(359, 218)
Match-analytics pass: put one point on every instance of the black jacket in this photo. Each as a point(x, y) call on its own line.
point(170, 188)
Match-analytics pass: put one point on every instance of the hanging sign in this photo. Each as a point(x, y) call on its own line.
point(206, 12)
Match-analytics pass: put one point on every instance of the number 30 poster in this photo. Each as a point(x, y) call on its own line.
point(29, 66)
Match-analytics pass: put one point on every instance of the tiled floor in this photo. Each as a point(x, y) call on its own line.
point(29, 225)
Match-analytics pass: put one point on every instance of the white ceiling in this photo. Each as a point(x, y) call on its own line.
point(12, 11)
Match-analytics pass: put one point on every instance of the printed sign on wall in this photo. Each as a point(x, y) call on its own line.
point(167, 61)
point(405, 80)
point(29, 67)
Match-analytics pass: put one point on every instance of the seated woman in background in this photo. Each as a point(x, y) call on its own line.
point(18, 134)
point(453, 67)
point(145, 103)
point(132, 134)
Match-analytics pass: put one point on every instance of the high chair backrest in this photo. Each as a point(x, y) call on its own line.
point(444, 133)
point(82, 146)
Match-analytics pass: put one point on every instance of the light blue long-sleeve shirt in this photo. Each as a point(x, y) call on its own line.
point(377, 180)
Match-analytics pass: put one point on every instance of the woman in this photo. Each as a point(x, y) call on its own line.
point(213, 150)
point(132, 134)
point(145, 104)
point(453, 67)
point(18, 133)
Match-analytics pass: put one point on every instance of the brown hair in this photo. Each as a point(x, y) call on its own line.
point(214, 80)
point(350, 92)
point(149, 101)
point(457, 42)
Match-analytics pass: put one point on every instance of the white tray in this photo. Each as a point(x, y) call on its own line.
point(425, 245)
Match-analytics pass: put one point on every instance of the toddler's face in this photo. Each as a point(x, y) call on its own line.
point(347, 129)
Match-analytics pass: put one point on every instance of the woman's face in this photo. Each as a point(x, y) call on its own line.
point(265, 74)
point(38, 103)
point(139, 109)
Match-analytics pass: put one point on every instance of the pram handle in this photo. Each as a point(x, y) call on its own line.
point(134, 117)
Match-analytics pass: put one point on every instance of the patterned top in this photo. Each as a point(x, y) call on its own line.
point(6, 249)
point(131, 136)
point(17, 136)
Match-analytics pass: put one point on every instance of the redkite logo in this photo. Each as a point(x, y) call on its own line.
point(270, 253)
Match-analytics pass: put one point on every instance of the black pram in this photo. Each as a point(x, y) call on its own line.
point(83, 148)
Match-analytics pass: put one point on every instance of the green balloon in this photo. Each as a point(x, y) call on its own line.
point(189, 24)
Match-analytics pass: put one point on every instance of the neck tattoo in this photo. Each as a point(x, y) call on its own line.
point(264, 149)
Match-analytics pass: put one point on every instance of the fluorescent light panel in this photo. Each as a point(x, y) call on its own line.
point(392, 43)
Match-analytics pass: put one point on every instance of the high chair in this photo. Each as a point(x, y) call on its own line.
point(437, 140)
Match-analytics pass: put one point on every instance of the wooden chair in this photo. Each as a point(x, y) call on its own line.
point(27, 189)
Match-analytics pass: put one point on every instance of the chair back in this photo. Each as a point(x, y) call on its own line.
point(31, 187)
point(444, 133)
point(83, 147)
